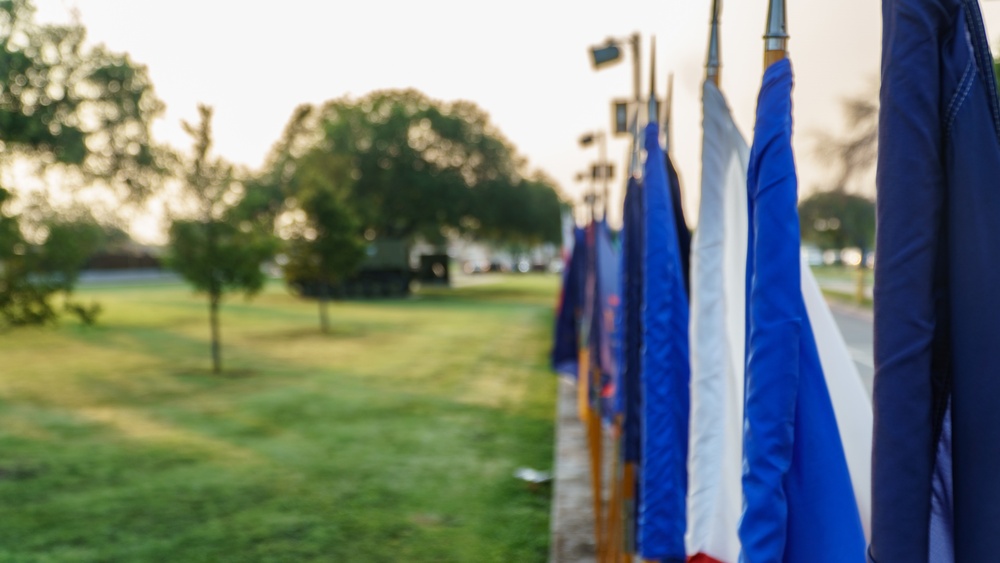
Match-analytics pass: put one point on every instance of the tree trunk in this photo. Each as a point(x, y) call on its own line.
point(213, 316)
point(324, 301)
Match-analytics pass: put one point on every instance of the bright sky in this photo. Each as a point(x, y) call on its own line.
point(526, 62)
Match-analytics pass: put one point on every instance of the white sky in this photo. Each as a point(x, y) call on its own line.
point(526, 62)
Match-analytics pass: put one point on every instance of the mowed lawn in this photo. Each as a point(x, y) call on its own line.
point(392, 439)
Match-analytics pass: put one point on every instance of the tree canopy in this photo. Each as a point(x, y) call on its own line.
point(416, 166)
point(85, 110)
point(62, 103)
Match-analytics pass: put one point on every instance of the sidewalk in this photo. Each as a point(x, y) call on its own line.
point(572, 521)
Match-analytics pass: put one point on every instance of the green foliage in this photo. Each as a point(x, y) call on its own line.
point(838, 220)
point(87, 314)
point(419, 167)
point(83, 109)
point(326, 246)
point(68, 246)
point(520, 212)
point(220, 251)
point(62, 103)
point(32, 274)
point(218, 257)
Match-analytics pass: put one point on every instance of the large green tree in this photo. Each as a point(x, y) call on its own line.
point(420, 167)
point(325, 245)
point(218, 251)
point(63, 103)
point(83, 111)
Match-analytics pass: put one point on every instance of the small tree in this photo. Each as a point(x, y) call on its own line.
point(216, 252)
point(326, 246)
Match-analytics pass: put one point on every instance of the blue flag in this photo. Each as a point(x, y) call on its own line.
point(606, 308)
point(665, 372)
point(630, 321)
point(936, 460)
point(629, 332)
point(565, 349)
point(799, 503)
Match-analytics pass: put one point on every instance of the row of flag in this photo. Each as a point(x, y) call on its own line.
point(742, 429)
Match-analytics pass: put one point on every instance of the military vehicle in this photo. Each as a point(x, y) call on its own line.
point(384, 272)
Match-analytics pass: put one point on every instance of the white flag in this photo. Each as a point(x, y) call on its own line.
point(718, 313)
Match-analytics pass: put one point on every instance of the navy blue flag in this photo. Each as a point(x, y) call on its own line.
point(627, 392)
point(799, 504)
point(936, 494)
point(683, 234)
point(630, 321)
point(666, 370)
point(565, 349)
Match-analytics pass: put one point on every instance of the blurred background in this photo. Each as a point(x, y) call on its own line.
point(277, 279)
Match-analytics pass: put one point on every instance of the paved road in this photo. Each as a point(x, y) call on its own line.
point(856, 326)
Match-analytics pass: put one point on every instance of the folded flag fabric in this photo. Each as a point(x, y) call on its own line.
point(630, 322)
point(718, 303)
point(565, 349)
point(799, 503)
point(936, 495)
point(665, 371)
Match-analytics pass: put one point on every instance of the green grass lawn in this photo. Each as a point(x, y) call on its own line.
point(392, 439)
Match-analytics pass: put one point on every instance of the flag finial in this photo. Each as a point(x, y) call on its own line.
point(712, 66)
point(776, 37)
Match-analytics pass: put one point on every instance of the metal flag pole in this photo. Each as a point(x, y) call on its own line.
point(602, 158)
point(776, 36)
point(668, 103)
point(713, 66)
point(653, 117)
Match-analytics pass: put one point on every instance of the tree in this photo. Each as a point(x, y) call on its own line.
point(419, 167)
point(33, 272)
point(843, 215)
point(84, 111)
point(326, 246)
point(834, 220)
point(525, 212)
point(218, 251)
point(853, 155)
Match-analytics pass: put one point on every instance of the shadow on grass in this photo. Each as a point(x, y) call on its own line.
point(19, 472)
point(231, 373)
point(310, 333)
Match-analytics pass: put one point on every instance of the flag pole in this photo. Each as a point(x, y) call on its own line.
point(653, 117)
point(776, 36)
point(713, 66)
point(668, 103)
